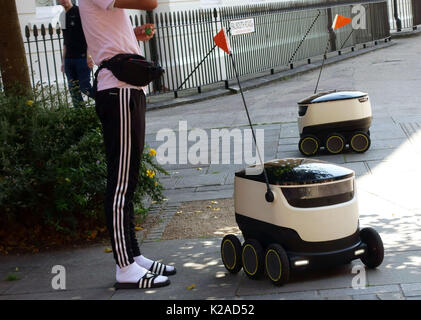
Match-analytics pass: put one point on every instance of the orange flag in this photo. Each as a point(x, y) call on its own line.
point(340, 21)
point(221, 40)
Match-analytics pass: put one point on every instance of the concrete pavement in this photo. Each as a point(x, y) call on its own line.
point(387, 182)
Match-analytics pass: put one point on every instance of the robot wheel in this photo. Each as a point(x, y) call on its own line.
point(309, 145)
point(252, 259)
point(277, 264)
point(375, 250)
point(335, 143)
point(360, 141)
point(231, 253)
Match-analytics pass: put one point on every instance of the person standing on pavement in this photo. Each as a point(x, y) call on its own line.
point(77, 63)
point(121, 108)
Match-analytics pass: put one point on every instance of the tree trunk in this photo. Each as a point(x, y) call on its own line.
point(13, 64)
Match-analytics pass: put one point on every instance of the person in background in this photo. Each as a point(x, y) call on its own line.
point(77, 63)
point(121, 108)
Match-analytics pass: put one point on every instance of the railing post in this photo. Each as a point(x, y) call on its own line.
point(332, 35)
point(153, 50)
point(396, 16)
point(27, 36)
point(416, 13)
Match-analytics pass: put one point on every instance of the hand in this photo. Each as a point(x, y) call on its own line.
point(145, 32)
point(90, 62)
point(62, 68)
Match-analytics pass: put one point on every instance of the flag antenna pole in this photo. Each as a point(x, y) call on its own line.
point(270, 197)
point(338, 22)
point(321, 68)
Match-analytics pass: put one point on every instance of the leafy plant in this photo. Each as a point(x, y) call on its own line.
point(53, 172)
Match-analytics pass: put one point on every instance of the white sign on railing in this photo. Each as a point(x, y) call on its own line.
point(242, 26)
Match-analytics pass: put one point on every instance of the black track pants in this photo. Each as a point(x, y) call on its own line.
point(122, 114)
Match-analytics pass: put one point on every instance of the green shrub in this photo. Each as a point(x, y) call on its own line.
point(53, 170)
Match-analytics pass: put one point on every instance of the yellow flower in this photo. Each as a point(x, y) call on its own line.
point(150, 173)
point(29, 102)
point(152, 152)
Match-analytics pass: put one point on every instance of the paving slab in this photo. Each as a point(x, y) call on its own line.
point(218, 168)
point(402, 117)
point(365, 297)
point(364, 291)
point(380, 143)
point(391, 296)
point(411, 289)
point(5, 285)
point(393, 131)
point(188, 172)
point(337, 277)
point(304, 295)
point(228, 187)
point(190, 194)
point(283, 147)
point(372, 155)
point(286, 141)
point(201, 180)
point(339, 298)
point(289, 130)
point(169, 183)
point(78, 266)
point(397, 267)
point(269, 127)
point(413, 294)
point(83, 294)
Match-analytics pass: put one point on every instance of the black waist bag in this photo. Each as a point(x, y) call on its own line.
point(132, 69)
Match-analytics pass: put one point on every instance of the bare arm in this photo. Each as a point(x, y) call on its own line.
point(136, 4)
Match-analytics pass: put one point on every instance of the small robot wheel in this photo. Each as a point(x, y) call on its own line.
point(360, 142)
point(335, 143)
point(309, 145)
point(231, 253)
point(252, 259)
point(277, 264)
point(375, 251)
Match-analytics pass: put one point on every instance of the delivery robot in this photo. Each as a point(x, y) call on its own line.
point(311, 220)
point(332, 120)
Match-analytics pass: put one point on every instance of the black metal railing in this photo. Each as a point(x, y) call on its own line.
point(285, 34)
point(278, 40)
point(404, 14)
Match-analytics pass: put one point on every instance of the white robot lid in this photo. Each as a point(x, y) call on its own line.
point(299, 171)
point(332, 96)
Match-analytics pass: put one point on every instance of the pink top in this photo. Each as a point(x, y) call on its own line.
point(108, 32)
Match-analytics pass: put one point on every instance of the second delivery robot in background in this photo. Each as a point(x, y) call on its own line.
point(334, 120)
